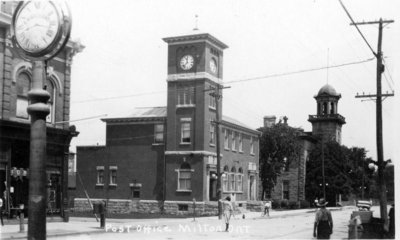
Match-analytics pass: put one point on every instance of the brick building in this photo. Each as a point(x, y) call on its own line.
point(326, 125)
point(16, 78)
point(164, 157)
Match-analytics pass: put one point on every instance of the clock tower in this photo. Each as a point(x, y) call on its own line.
point(195, 65)
point(327, 123)
point(194, 71)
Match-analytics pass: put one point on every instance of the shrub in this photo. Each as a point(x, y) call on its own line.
point(284, 203)
point(276, 203)
point(293, 205)
point(304, 204)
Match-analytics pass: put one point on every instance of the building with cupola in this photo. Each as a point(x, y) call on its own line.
point(326, 126)
point(161, 159)
point(327, 123)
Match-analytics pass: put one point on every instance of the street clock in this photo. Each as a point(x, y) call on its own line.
point(40, 29)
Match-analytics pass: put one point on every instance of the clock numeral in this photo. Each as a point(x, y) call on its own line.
point(44, 40)
point(50, 32)
point(37, 4)
point(26, 42)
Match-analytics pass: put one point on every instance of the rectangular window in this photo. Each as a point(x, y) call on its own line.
point(184, 179)
point(213, 104)
point(136, 192)
point(22, 106)
point(159, 133)
point(100, 175)
point(185, 132)
point(113, 175)
point(240, 143)
point(239, 182)
point(285, 190)
point(233, 135)
point(226, 139)
point(185, 95)
point(212, 132)
point(183, 207)
point(251, 145)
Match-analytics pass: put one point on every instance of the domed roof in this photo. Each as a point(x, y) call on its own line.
point(327, 90)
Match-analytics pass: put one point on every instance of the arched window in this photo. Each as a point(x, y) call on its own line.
point(23, 87)
point(225, 179)
point(185, 177)
point(239, 180)
point(325, 108)
point(50, 87)
point(232, 179)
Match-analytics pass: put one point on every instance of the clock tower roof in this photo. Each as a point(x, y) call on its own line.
point(195, 35)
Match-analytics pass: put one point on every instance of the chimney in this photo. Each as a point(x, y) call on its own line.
point(269, 121)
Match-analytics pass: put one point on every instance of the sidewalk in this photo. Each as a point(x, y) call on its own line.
point(78, 226)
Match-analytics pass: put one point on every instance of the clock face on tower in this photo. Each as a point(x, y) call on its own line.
point(186, 62)
point(37, 26)
point(213, 65)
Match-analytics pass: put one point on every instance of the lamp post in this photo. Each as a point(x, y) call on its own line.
point(323, 167)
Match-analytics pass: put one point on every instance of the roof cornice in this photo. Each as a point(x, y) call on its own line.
point(194, 37)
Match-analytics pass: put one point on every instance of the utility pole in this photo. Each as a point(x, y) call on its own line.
point(323, 168)
point(380, 68)
point(217, 96)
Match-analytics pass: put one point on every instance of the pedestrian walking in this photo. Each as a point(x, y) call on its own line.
point(228, 209)
point(323, 224)
point(267, 206)
point(1, 211)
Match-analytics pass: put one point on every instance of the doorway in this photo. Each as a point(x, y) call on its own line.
point(213, 187)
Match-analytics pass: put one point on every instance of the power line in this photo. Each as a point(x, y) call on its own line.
point(234, 81)
point(81, 119)
point(388, 71)
point(300, 71)
point(353, 23)
point(118, 97)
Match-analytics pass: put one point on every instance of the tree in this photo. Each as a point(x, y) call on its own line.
point(346, 172)
point(279, 147)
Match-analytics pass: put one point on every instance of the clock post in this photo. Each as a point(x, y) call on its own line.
point(38, 110)
point(40, 30)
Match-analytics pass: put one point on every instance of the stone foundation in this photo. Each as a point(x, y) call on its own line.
point(125, 206)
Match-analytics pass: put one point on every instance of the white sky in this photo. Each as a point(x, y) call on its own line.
point(125, 55)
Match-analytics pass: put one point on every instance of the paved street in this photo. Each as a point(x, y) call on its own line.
point(295, 224)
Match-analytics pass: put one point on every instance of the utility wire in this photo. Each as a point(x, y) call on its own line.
point(359, 31)
point(117, 97)
point(81, 119)
point(235, 81)
point(388, 71)
point(299, 71)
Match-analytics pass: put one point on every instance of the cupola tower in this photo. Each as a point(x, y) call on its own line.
point(327, 123)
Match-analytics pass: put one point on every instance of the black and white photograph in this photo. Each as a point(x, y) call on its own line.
point(199, 119)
